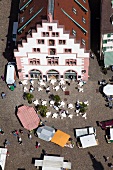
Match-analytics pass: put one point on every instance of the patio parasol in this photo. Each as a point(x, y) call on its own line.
point(108, 89)
point(28, 117)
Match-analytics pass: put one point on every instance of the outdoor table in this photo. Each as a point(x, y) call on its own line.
point(36, 102)
point(66, 92)
point(52, 102)
point(70, 106)
point(62, 103)
point(44, 102)
point(54, 115)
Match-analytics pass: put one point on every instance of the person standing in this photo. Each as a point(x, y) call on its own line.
point(3, 95)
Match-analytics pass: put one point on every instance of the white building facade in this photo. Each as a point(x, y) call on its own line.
point(50, 52)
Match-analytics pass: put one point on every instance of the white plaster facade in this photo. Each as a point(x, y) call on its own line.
point(107, 42)
point(78, 58)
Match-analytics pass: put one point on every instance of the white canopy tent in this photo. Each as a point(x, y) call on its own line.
point(52, 163)
point(108, 89)
point(45, 133)
point(88, 141)
point(111, 133)
point(10, 74)
point(84, 131)
point(3, 153)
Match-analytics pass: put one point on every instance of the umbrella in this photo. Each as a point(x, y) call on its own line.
point(108, 89)
point(28, 117)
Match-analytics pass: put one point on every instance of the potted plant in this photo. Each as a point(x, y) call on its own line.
point(57, 99)
point(83, 107)
point(42, 110)
point(29, 97)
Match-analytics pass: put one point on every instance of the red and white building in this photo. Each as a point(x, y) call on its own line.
point(52, 51)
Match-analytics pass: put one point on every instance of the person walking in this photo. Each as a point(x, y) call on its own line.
point(20, 140)
point(106, 158)
point(29, 136)
point(37, 144)
point(6, 143)
point(3, 95)
point(3, 78)
point(21, 131)
point(1, 132)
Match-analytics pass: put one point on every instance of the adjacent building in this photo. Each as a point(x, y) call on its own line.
point(53, 39)
point(106, 50)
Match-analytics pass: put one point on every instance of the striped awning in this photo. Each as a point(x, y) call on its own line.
point(108, 58)
point(28, 117)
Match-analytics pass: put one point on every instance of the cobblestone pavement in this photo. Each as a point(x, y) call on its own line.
point(21, 156)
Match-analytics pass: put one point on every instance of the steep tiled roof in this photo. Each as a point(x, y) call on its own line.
point(39, 12)
point(106, 12)
point(73, 14)
point(63, 12)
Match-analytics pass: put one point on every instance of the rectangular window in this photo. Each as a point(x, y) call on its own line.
point(36, 50)
point(51, 42)
point(83, 20)
point(22, 19)
point(45, 34)
point(71, 62)
point(74, 32)
point(62, 42)
point(52, 61)
point(74, 10)
point(55, 34)
point(67, 50)
point(34, 61)
point(40, 41)
point(52, 51)
point(83, 42)
point(31, 10)
point(50, 28)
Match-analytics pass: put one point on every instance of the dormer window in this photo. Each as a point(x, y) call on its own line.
point(83, 20)
point(74, 10)
point(83, 42)
point(31, 10)
point(74, 32)
point(22, 19)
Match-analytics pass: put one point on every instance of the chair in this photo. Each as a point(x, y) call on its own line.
point(80, 89)
point(25, 89)
point(36, 102)
point(48, 114)
point(86, 102)
point(55, 115)
point(77, 111)
point(56, 88)
point(40, 88)
point(70, 116)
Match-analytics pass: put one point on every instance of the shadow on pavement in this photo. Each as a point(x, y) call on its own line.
point(10, 45)
point(96, 164)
